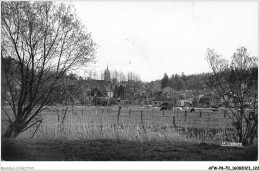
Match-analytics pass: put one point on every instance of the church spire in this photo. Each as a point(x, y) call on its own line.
point(107, 75)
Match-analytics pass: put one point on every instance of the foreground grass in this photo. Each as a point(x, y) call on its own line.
point(120, 150)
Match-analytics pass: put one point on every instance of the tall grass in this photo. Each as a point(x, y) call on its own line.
point(134, 124)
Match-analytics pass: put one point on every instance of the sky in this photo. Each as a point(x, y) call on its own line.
point(151, 38)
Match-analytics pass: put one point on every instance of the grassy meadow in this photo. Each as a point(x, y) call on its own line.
point(141, 126)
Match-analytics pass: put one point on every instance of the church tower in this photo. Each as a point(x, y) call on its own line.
point(107, 75)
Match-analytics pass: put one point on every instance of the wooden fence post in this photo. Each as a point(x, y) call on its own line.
point(163, 112)
point(142, 117)
point(185, 116)
point(118, 114)
point(200, 113)
point(173, 122)
point(142, 122)
point(130, 112)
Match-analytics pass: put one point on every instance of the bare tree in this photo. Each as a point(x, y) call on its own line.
point(115, 74)
point(102, 75)
point(95, 75)
point(89, 73)
point(136, 77)
point(121, 76)
point(40, 41)
point(235, 83)
point(130, 76)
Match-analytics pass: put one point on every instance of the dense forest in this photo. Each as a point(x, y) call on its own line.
point(180, 82)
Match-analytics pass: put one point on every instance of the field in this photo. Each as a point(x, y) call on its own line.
point(134, 125)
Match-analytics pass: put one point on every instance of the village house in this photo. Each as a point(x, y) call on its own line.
point(98, 92)
point(97, 97)
point(168, 90)
point(184, 103)
point(207, 100)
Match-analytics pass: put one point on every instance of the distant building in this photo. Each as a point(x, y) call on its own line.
point(168, 90)
point(98, 91)
point(107, 75)
point(97, 97)
point(207, 100)
point(184, 103)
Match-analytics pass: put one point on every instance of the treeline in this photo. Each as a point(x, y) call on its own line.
point(199, 81)
point(115, 74)
point(180, 82)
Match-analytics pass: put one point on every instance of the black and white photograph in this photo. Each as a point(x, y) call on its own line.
point(126, 85)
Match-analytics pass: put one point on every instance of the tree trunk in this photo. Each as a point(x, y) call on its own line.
point(250, 132)
point(253, 135)
point(240, 137)
point(239, 132)
point(11, 133)
point(13, 130)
